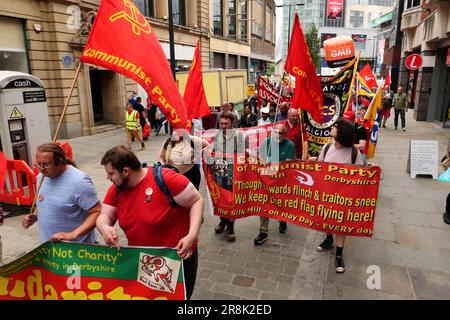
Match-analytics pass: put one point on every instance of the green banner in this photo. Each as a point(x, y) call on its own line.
point(74, 271)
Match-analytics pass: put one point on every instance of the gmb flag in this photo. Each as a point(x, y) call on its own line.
point(118, 32)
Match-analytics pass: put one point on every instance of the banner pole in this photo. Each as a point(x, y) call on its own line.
point(77, 73)
point(355, 67)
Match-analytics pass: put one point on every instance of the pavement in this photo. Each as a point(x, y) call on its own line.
point(407, 258)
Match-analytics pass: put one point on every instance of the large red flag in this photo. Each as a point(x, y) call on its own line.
point(308, 92)
point(367, 74)
point(122, 40)
point(194, 93)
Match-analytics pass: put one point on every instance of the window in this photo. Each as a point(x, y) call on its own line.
point(145, 7)
point(179, 12)
point(244, 18)
point(13, 55)
point(411, 3)
point(268, 25)
point(218, 17)
point(356, 19)
point(219, 60)
point(244, 63)
point(232, 19)
point(232, 61)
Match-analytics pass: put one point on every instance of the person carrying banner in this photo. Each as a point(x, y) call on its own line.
point(387, 98)
point(360, 134)
point(400, 107)
point(179, 150)
point(340, 150)
point(294, 133)
point(144, 211)
point(132, 126)
point(67, 204)
point(274, 149)
point(227, 141)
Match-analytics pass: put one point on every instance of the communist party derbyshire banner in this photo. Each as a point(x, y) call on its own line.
point(75, 271)
point(329, 197)
point(336, 92)
point(267, 91)
point(122, 40)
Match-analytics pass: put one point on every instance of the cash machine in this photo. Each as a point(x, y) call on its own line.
point(24, 122)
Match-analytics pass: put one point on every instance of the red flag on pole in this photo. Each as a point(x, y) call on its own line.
point(308, 92)
point(387, 81)
point(122, 40)
point(194, 93)
point(367, 74)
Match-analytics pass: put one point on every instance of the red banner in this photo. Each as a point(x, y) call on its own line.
point(329, 197)
point(122, 40)
point(334, 9)
point(194, 93)
point(267, 91)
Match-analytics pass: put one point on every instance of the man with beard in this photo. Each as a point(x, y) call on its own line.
point(145, 213)
point(294, 133)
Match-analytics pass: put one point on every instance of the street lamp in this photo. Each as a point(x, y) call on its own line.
point(171, 40)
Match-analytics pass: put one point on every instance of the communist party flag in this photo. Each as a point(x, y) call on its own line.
point(308, 92)
point(122, 40)
point(372, 120)
point(194, 93)
point(367, 74)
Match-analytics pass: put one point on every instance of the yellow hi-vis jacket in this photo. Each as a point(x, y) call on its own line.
point(131, 122)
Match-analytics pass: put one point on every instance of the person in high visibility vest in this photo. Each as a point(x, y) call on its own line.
point(132, 126)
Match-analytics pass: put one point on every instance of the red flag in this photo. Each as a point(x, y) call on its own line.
point(308, 92)
point(122, 40)
point(387, 81)
point(194, 93)
point(367, 74)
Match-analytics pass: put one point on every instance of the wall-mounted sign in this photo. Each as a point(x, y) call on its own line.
point(335, 9)
point(67, 60)
point(414, 61)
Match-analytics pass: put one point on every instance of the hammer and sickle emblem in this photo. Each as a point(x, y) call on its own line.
point(135, 18)
point(194, 62)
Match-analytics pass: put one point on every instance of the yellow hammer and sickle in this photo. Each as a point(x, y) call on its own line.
point(194, 62)
point(134, 18)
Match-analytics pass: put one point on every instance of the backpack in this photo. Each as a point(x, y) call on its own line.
point(157, 175)
point(354, 152)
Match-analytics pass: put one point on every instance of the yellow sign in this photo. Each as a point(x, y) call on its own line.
point(16, 114)
point(251, 90)
point(134, 19)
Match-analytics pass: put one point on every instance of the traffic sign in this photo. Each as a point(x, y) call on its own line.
point(414, 61)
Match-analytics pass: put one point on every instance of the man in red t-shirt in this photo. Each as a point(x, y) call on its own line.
point(294, 128)
point(145, 213)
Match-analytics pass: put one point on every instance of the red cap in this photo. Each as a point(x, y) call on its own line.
point(349, 115)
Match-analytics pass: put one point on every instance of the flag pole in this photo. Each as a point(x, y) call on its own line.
point(58, 128)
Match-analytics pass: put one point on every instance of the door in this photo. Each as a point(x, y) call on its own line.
point(96, 92)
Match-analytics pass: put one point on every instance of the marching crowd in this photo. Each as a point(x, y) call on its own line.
point(161, 206)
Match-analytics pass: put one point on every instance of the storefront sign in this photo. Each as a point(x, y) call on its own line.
point(414, 61)
point(424, 158)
